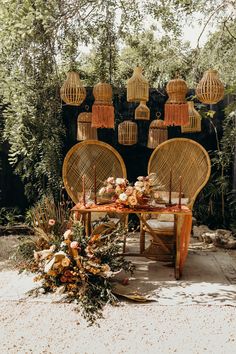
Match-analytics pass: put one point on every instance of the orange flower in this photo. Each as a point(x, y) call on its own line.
point(63, 279)
point(94, 238)
point(68, 273)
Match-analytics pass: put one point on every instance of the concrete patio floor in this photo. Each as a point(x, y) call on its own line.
point(194, 315)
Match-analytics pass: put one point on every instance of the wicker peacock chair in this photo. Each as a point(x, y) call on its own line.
point(186, 158)
point(80, 161)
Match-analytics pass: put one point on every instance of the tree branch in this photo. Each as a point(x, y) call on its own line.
point(223, 4)
point(228, 30)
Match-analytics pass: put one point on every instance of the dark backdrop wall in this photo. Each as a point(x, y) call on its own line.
point(135, 157)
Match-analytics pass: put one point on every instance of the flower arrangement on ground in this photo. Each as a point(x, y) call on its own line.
point(84, 266)
point(123, 193)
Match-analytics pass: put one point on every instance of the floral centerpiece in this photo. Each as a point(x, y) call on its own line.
point(82, 267)
point(123, 193)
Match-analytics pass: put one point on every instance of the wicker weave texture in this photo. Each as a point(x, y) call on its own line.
point(80, 161)
point(157, 133)
point(84, 129)
point(195, 120)
point(127, 133)
point(210, 89)
point(72, 92)
point(142, 112)
point(177, 90)
point(185, 158)
point(137, 87)
point(102, 93)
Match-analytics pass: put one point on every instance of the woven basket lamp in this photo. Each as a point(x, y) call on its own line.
point(127, 133)
point(84, 129)
point(176, 107)
point(142, 112)
point(157, 133)
point(210, 89)
point(137, 87)
point(72, 92)
point(103, 110)
point(195, 120)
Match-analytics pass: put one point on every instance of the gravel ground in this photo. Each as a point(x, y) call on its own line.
point(195, 315)
point(131, 329)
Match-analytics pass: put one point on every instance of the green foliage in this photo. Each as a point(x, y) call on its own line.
point(10, 216)
point(216, 204)
point(33, 125)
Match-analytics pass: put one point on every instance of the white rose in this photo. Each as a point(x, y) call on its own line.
point(102, 191)
point(120, 181)
point(123, 197)
point(141, 178)
point(138, 184)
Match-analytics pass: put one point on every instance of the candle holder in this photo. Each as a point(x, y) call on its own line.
point(180, 191)
point(170, 188)
point(95, 184)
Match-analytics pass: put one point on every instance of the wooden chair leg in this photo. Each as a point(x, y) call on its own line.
point(142, 238)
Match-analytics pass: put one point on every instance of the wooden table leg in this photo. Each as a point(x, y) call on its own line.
point(183, 230)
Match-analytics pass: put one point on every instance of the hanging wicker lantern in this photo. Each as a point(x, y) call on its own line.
point(137, 87)
point(176, 107)
point(72, 92)
point(195, 120)
point(103, 110)
point(157, 133)
point(127, 133)
point(142, 112)
point(84, 129)
point(210, 89)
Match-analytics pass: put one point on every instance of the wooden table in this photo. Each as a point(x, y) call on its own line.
point(183, 224)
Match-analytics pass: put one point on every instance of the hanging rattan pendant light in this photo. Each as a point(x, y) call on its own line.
point(157, 133)
point(72, 92)
point(84, 129)
point(210, 89)
point(103, 109)
point(137, 87)
point(195, 120)
point(127, 133)
point(142, 112)
point(176, 107)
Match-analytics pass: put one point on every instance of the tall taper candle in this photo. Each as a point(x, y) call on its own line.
point(170, 186)
point(180, 190)
point(95, 184)
point(83, 191)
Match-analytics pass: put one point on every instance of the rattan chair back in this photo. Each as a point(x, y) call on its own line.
point(80, 161)
point(185, 158)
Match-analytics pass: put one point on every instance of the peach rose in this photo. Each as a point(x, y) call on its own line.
point(51, 222)
point(74, 245)
point(129, 190)
point(132, 200)
point(110, 180)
